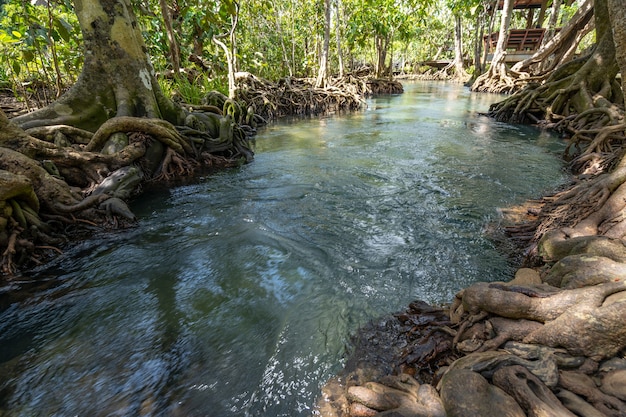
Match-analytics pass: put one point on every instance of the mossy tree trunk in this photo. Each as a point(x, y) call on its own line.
point(112, 130)
point(117, 77)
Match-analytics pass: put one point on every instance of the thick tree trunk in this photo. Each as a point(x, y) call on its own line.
point(617, 12)
point(382, 44)
point(117, 77)
point(505, 22)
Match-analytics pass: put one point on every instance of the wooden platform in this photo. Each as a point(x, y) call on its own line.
point(517, 40)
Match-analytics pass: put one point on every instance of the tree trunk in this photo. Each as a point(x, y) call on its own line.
point(458, 50)
point(322, 74)
point(505, 21)
point(338, 34)
point(281, 35)
point(478, 44)
point(492, 19)
point(171, 37)
point(230, 52)
point(617, 12)
point(382, 43)
point(551, 30)
point(542, 13)
point(117, 78)
point(497, 79)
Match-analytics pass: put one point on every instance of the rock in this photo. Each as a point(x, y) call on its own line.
point(468, 394)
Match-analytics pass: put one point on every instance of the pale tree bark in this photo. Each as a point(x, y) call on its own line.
point(458, 50)
point(505, 21)
point(117, 77)
point(230, 52)
point(322, 73)
point(492, 19)
point(497, 78)
point(281, 35)
point(382, 45)
point(542, 14)
point(478, 42)
point(550, 32)
point(338, 33)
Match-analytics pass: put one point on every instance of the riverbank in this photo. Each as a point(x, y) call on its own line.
point(549, 341)
point(268, 269)
point(55, 176)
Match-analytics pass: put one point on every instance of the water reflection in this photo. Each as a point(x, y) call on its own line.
point(237, 294)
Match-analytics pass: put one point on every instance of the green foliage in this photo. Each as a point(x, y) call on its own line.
point(30, 36)
point(274, 38)
point(192, 91)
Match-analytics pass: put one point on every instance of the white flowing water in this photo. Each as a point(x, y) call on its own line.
point(236, 294)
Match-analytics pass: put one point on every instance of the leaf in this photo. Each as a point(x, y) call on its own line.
point(63, 29)
point(28, 56)
point(231, 7)
point(55, 35)
point(17, 34)
point(6, 38)
point(16, 68)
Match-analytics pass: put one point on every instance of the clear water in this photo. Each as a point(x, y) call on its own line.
point(236, 295)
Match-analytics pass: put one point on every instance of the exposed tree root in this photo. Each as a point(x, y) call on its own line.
point(499, 79)
point(551, 342)
point(40, 175)
point(51, 161)
point(290, 96)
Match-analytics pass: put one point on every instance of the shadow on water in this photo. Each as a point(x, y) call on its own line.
point(237, 293)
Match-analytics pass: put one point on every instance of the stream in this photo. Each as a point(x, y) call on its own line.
point(237, 293)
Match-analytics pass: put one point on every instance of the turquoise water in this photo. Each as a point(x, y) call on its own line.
point(236, 294)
